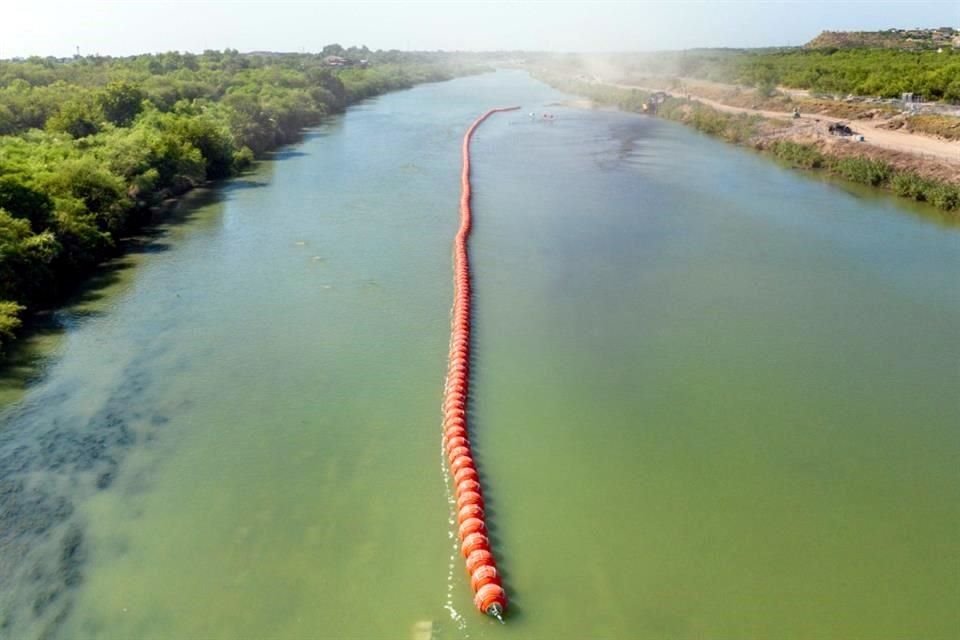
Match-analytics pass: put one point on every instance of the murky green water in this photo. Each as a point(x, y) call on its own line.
point(714, 398)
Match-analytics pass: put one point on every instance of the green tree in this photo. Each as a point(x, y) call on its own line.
point(212, 139)
point(80, 118)
point(98, 191)
point(22, 201)
point(8, 121)
point(82, 245)
point(121, 102)
point(333, 50)
point(9, 319)
point(25, 259)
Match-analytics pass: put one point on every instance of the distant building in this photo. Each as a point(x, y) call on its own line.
point(336, 61)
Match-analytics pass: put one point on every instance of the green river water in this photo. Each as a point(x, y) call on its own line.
point(713, 397)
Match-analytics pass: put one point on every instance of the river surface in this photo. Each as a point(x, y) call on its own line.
point(714, 397)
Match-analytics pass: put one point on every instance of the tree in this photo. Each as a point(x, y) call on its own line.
point(25, 259)
point(8, 122)
point(80, 118)
point(212, 139)
point(9, 319)
point(332, 50)
point(100, 192)
point(21, 201)
point(121, 102)
point(324, 79)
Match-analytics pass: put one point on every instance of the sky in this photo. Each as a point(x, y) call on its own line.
point(44, 27)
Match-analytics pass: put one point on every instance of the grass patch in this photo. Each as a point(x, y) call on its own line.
point(804, 156)
point(944, 196)
point(910, 185)
point(944, 126)
point(737, 128)
point(863, 170)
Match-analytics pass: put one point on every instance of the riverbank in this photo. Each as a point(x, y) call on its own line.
point(910, 165)
point(926, 136)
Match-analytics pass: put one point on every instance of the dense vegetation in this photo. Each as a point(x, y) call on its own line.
point(89, 146)
point(866, 72)
point(873, 172)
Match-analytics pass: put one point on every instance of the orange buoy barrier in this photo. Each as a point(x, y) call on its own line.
point(489, 595)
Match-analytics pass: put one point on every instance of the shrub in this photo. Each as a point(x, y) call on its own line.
point(79, 117)
point(910, 185)
point(708, 120)
point(945, 196)
point(242, 159)
point(862, 170)
point(9, 319)
point(22, 201)
point(121, 102)
point(800, 155)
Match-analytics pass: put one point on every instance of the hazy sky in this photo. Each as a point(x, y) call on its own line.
point(37, 27)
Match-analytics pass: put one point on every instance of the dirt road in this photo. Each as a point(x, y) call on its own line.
point(905, 142)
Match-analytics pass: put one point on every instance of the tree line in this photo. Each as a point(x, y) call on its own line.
point(886, 73)
point(90, 145)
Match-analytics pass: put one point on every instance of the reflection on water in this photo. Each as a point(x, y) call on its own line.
point(713, 397)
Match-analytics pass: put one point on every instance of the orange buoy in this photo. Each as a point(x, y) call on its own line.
point(471, 525)
point(465, 474)
point(479, 558)
point(469, 497)
point(459, 452)
point(469, 511)
point(468, 484)
point(491, 598)
point(453, 432)
point(461, 462)
point(489, 595)
point(474, 542)
point(484, 575)
point(454, 442)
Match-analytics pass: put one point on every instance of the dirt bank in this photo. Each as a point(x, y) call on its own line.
point(924, 149)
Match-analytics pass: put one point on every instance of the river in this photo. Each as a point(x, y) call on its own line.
point(713, 397)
